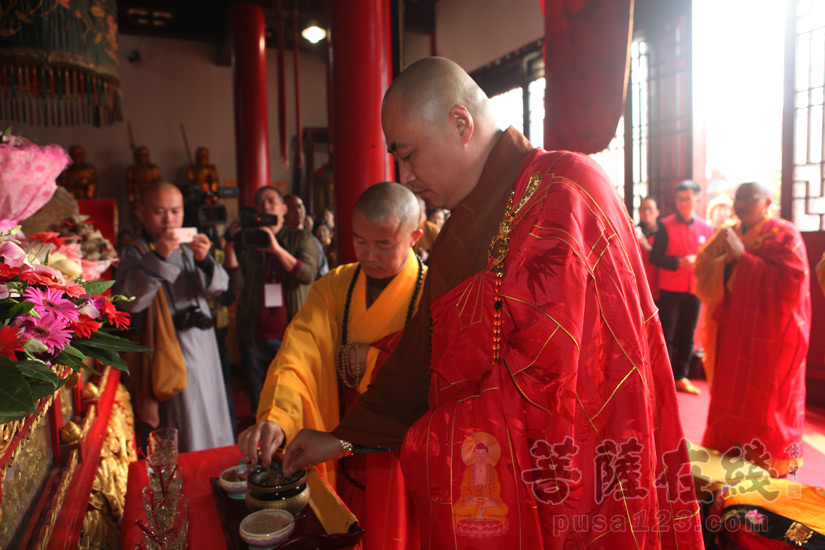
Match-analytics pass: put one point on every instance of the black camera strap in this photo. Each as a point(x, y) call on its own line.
point(190, 274)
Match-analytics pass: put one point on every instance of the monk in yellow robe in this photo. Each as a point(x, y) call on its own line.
point(753, 277)
point(334, 345)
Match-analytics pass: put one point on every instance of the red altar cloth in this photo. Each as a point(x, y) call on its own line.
point(198, 467)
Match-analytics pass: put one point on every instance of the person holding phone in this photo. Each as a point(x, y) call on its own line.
point(187, 276)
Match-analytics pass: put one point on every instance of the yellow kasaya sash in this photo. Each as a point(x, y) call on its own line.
point(710, 282)
point(301, 386)
point(386, 315)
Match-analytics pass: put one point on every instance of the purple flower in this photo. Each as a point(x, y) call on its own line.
point(51, 302)
point(49, 330)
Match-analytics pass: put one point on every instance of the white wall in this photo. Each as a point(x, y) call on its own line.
point(475, 32)
point(178, 82)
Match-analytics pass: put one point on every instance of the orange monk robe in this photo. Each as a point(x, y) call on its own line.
point(428, 237)
point(301, 388)
point(756, 339)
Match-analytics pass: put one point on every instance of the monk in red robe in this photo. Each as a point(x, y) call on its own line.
point(754, 279)
point(531, 394)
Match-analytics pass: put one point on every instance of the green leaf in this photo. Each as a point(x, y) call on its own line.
point(72, 357)
point(11, 309)
point(111, 342)
point(15, 396)
point(42, 389)
point(105, 356)
point(97, 287)
point(38, 371)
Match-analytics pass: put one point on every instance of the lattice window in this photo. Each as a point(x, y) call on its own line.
point(669, 115)
point(640, 134)
point(808, 206)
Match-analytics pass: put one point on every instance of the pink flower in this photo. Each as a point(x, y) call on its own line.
point(41, 275)
point(27, 178)
point(74, 290)
point(49, 330)
point(755, 517)
point(51, 302)
point(88, 308)
point(12, 254)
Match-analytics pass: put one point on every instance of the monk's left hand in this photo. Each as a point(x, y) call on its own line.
point(734, 245)
point(311, 447)
point(200, 246)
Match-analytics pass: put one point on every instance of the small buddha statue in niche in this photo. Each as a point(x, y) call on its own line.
point(139, 175)
point(79, 178)
point(204, 175)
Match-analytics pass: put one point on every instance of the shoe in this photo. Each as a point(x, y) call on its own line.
point(684, 385)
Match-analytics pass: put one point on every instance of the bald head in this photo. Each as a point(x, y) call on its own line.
point(388, 200)
point(439, 126)
point(384, 229)
point(430, 87)
point(753, 188)
point(161, 208)
point(159, 187)
point(751, 203)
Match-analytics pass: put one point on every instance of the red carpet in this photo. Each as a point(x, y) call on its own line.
point(694, 412)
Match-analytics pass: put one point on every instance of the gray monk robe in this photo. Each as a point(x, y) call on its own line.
point(200, 411)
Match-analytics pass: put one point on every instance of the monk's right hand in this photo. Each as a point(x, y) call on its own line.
point(167, 243)
point(311, 447)
point(269, 434)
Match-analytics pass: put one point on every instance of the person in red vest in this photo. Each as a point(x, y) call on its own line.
point(674, 251)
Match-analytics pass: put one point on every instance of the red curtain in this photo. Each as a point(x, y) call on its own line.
point(587, 52)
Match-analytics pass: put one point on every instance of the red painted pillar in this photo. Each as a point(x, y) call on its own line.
point(361, 68)
point(249, 81)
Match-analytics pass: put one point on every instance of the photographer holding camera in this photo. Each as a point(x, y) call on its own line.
point(271, 267)
point(171, 283)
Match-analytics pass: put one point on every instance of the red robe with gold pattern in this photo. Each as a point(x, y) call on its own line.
point(572, 439)
point(756, 337)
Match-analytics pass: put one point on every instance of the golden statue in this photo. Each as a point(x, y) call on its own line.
point(139, 175)
point(204, 175)
point(479, 511)
point(79, 178)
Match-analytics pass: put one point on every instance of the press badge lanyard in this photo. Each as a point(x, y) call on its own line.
point(273, 291)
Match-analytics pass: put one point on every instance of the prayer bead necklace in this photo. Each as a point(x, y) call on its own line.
point(342, 355)
point(497, 252)
point(348, 372)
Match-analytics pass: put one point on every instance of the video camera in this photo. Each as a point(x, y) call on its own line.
point(201, 209)
point(251, 235)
